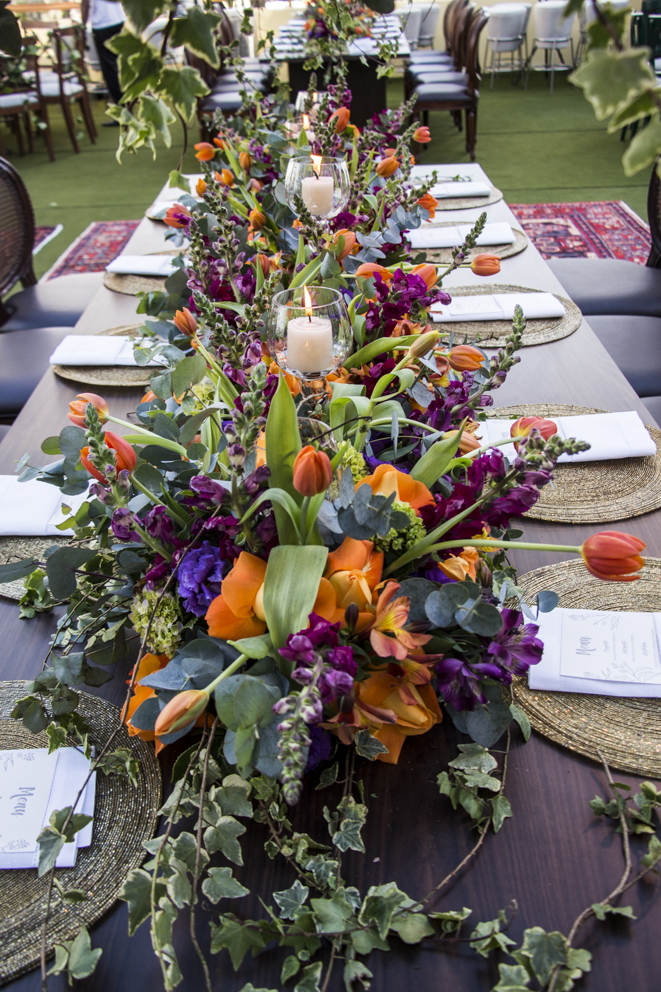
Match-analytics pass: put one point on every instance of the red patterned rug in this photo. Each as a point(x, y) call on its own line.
point(602, 229)
point(94, 248)
point(42, 235)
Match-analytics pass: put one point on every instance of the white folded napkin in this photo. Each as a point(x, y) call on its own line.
point(610, 435)
point(171, 194)
point(33, 509)
point(499, 306)
point(142, 265)
point(444, 191)
point(95, 349)
point(599, 652)
point(432, 236)
point(34, 785)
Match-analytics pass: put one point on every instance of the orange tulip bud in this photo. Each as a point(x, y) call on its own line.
point(78, 406)
point(185, 322)
point(204, 152)
point(428, 202)
point(387, 166)
point(388, 152)
point(149, 396)
point(367, 269)
point(124, 456)
point(465, 358)
point(264, 263)
point(613, 556)
point(219, 142)
point(341, 116)
point(182, 710)
point(426, 272)
point(176, 216)
point(200, 187)
point(422, 135)
point(423, 345)
point(524, 425)
point(313, 472)
point(349, 243)
point(225, 177)
point(257, 219)
point(255, 185)
point(245, 161)
point(486, 264)
point(467, 442)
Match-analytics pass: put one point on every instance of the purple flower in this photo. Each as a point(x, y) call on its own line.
point(200, 576)
point(122, 526)
point(320, 747)
point(159, 525)
point(319, 658)
point(516, 648)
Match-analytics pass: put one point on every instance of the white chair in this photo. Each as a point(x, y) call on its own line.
point(411, 18)
point(428, 25)
point(586, 16)
point(553, 34)
point(507, 35)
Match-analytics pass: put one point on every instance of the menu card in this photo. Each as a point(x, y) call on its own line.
point(601, 652)
point(33, 785)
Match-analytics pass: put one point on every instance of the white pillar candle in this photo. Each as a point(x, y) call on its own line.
point(317, 194)
point(310, 344)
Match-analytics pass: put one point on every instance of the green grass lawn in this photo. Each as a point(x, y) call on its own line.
point(534, 145)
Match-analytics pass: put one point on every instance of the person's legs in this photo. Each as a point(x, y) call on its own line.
point(108, 59)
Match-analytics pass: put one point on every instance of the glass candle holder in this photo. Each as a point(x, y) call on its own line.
point(309, 331)
point(322, 184)
point(302, 100)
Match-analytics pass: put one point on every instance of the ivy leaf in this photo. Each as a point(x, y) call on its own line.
point(223, 837)
point(290, 967)
point(543, 950)
point(290, 900)
point(379, 906)
point(221, 884)
point(331, 915)
point(309, 981)
point(501, 809)
point(182, 87)
point(82, 959)
point(644, 148)
point(50, 843)
point(57, 737)
point(195, 31)
point(237, 937)
point(158, 114)
point(610, 80)
point(136, 891)
point(356, 971)
point(143, 12)
point(328, 776)
point(412, 927)
point(522, 719)
point(601, 911)
point(368, 746)
point(513, 978)
point(233, 796)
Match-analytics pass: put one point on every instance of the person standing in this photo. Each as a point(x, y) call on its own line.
point(106, 20)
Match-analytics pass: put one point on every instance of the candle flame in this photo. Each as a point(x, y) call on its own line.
point(306, 122)
point(307, 301)
point(316, 164)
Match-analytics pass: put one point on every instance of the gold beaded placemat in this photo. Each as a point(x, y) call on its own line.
point(131, 285)
point(593, 492)
point(17, 548)
point(494, 333)
point(443, 256)
point(107, 375)
point(626, 731)
point(470, 202)
point(124, 818)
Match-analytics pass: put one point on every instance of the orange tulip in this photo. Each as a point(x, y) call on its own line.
point(367, 269)
point(200, 187)
point(149, 396)
point(245, 161)
point(185, 322)
point(422, 135)
point(424, 343)
point(204, 152)
point(78, 406)
point(387, 479)
point(176, 216)
point(255, 185)
point(465, 358)
point(427, 273)
point(124, 456)
point(353, 571)
point(349, 243)
point(182, 710)
point(264, 264)
point(524, 425)
point(467, 442)
point(341, 117)
point(257, 219)
point(313, 472)
point(428, 202)
point(148, 664)
point(462, 565)
point(219, 142)
point(387, 166)
point(613, 556)
point(225, 177)
point(486, 264)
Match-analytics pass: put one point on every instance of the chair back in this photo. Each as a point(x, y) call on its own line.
point(507, 21)
point(451, 13)
point(459, 37)
point(69, 49)
point(478, 18)
point(411, 18)
point(550, 25)
point(428, 24)
point(654, 218)
point(16, 232)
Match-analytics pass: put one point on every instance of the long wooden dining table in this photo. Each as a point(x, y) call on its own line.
point(550, 861)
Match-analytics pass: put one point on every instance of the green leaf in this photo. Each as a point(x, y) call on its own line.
point(57, 737)
point(254, 647)
point(365, 941)
point(356, 971)
point(32, 713)
point(641, 106)
point(412, 927)
point(158, 114)
point(233, 796)
point(11, 42)
point(368, 746)
point(290, 900)
point(237, 938)
point(367, 354)
point(143, 12)
point(189, 371)
point(50, 843)
point(328, 776)
point(182, 87)
point(17, 569)
point(331, 915)
point(221, 884)
point(309, 981)
point(379, 906)
point(82, 959)
point(522, 720)
point(544, 951)
point(473, 757)
point(513, 978)
point(195, 31)
point(283, 442)
point(291, 585)
point(501, 809)
point(435, 461)
point(601, 911)
point(136, 891)
point(290, 967)
point(61, 569)
point(644, 148)
point(223, 837)
point(611, 80)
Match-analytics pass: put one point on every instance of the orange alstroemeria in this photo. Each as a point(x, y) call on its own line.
point(428, 202)
point(148, 664)
point(204, 152)
point(387, 479)
point(353, 571)
point(389, 637)
point(461, 565)
point(225, 177)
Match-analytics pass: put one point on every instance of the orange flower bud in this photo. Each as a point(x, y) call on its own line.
point(124, 456)
point(225, 177)
point(424, 344)
point(313, 472)
point(255, 185)
point(387, 166)
point(264, 264)
point(524, 425)
point(185, 322)
point(422, 135)
point(182, 710)
point(200, 187)
point(204, 152)
point(349, 243)
point(428, 203)
point(341, 116)
point(388, 152)
point(176, 216)
point(467, 441)
point(219, 142)
point(149, 396)
point(78, 406)
point(245, 161)
point(257, 219)
point(426, 272)
point(486, 264)
point(367, 269)
point(613, 555)
point(465, 358)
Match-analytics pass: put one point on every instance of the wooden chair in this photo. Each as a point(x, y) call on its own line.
point(16, 233)
point(452, 11)
point(25, 99)
point(69, 86)
point(458, 97)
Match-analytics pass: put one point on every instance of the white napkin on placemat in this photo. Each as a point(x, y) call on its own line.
point(33, 509)
point(431, 236)
point(610, 435)
point(600, 652)
point(499, 306)
point(37, 784)
point(95, 349)
point(142, 265)
point(443, 191)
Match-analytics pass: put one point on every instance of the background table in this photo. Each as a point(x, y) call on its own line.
point(554, 857)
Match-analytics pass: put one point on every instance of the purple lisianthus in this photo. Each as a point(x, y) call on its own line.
point(200, 576)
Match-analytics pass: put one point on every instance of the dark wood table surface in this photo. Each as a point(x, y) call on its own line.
point(553, 858)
